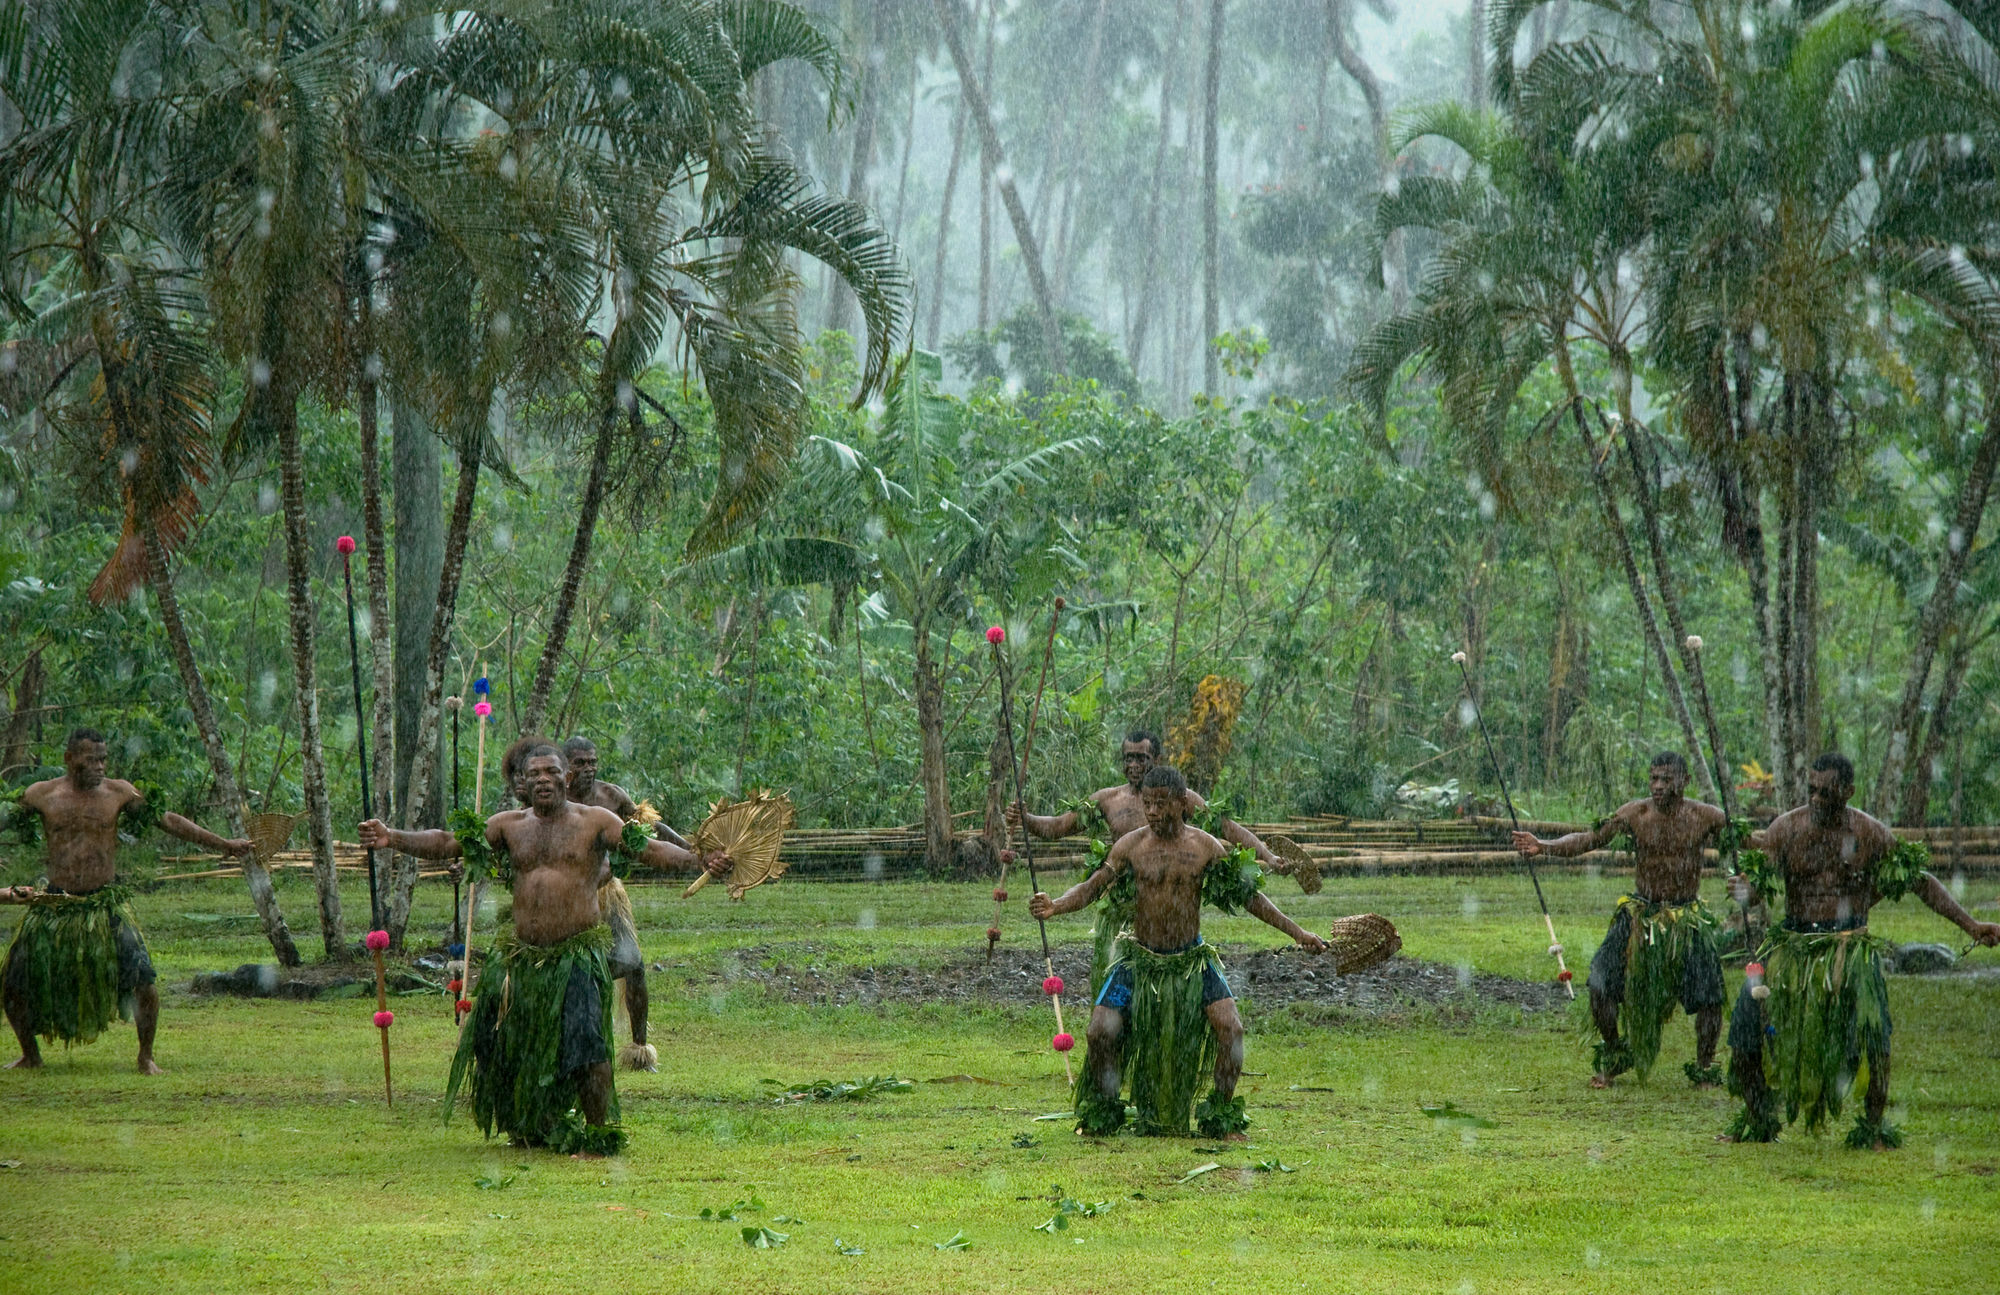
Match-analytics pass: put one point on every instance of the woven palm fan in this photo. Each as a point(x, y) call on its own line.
point(751, 830)
point(269, 833)
point(1362, 941)
point(1303, 865)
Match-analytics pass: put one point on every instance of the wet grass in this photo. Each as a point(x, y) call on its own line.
point(265, 1160)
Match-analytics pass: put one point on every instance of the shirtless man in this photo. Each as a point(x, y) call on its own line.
point(80, 812)
point(1822, 969)
point(538, 1043)
point(1122, 810)
point(586, 788)
point(1166, 970)
point(1675, 933)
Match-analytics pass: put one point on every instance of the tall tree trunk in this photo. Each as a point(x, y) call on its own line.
point(1616, 525)
point(1135, 346)
point(1714, 770)
point(1060, 166)
point(931, 777)
point(1211, 230)
point(989, 137)
point(985, 315)
point(1340, 30)
point(1915, 809)
point(416, 470)
point(298, 585)
point(254, 875)
point(840, 302)
point(579, 562)
point(381, 645)
point(1938, 608)
point(909, 143)
point(944, 227)
point(423, 765)
point(1475, 30)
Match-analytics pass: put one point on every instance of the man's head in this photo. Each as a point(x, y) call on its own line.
point(1141, 748)
point(84, 756)
point(514, 764)
point(581, 753)
point(1668, 779)
point(1163, 795)
point(1829, 784)
point(546, 777)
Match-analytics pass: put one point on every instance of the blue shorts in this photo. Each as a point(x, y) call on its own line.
point(1117, 991)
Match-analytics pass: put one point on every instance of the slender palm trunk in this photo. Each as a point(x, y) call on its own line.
point(841, 297)
point(423, 763)
point(299, 598)
point(579, 561)
point(416, 467)
point(930, 742)
point(989, 136)
point(381, 642)
point(1616, 525)
point(1938, 608)
point(1135, 347)
point(944, 228)
point(1915, 808)
point(254, 875)
point(1211, 220)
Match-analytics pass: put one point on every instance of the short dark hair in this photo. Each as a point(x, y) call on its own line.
point(578, 744)
point(1163, 775)
point(516, 758)
point(1835, 762)
point(1674, 758)
point(548, 749)
point(78, 736)
point(1148, 736)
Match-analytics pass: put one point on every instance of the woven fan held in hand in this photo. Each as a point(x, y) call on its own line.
point(751, 830)
point(269, 833)
point(1298, 863)
point(1360, 942)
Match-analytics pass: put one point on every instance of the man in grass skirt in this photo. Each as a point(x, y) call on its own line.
point(1165, 1017)
point(1111, 812)
point(1661, 945)
point(1816, 1004)
point(78, 958)
point(537, 1048)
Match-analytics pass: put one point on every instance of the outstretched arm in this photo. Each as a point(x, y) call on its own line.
point(668, 857)
point(671, 837)
point(1081, 895)
point(1261, 908)
point(189, 830)
point(1568, 847)
point(1940, 901)
point(435, 843)
point(1047, 827)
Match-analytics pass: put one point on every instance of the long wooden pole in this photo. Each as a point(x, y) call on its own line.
point(483, 708)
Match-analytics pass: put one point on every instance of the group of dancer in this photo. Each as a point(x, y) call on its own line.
point(537, 1050)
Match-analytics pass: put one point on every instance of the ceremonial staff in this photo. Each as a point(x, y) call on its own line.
point(456, 949)
point(345, 547)
point(384, 1018)
point(483, 708)
point(1555, 945)
point(1027, 749)
point(1052, 984)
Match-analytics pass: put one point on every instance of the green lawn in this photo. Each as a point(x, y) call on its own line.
point(264, 1159)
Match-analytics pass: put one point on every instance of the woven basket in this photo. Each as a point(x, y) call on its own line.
point(1360, 942)
point(269, 833)
point(1298, 863)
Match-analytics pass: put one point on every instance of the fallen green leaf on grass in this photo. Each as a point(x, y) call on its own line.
point(1449, 1115)
point(10, 1164)
point(721, 1213)
point(956, 1241)
point(794, 1220)
point(842, 1248)
point(1275, 1167)
point(486, 1183)
point(845, 1090)
point(764, 1238)
point(1026, 1140)
point(1197, 1172)
point(964, 1079)
point(1053, 1115)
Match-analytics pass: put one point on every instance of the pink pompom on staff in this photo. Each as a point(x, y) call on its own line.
point(378, 944)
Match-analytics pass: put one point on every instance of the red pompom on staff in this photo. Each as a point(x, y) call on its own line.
point(345, 547)
point(378, 941)
point(1555, 945)
point(1052, 985)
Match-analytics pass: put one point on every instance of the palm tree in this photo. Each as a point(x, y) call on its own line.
point(911, 518)
point(85, 157)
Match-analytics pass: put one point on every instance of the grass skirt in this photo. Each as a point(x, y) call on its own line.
point(1828, 1009)
point(540, 1018)
point(64, 963)
point(1169, 1044)
point(1670, 957)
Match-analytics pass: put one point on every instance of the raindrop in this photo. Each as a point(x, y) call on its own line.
point(503, 323)
point(503, 538)
point(1928, 1210)
point(128, 462)
point(628, 399)
point(388, 6)
point(866, 921)
point(260, 372)
point(267, 688)
point(1489, 507)
point(621, 89)
point(267, 499)
point(1468, 714)
point(871, 866)
point(1465, 975)
point(509, 168)
point(1592, 1257)
point(373, 367)
point(1003, 174)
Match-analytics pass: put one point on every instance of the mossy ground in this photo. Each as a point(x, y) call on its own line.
point(264, 1159)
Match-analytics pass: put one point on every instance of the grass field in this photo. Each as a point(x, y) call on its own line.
point(264, 1160)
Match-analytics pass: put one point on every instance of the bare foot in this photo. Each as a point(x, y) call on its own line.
point(1600, 1081)
point(25, 1063)
point(146, 1067)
